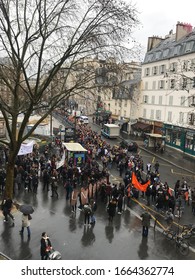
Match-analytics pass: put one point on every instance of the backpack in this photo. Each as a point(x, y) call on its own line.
point(87, 209)
point(29, 217)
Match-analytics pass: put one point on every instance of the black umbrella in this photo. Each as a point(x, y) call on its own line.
point(26, 209)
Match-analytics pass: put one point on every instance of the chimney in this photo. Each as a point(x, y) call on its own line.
point(153, 42)
point(182, 29)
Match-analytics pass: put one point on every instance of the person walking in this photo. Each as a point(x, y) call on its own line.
point(73, 200)
point(69, 188)
point(46, 179)
point(46, 246)
point(169, 218)
point(54, 187)
point(156, 167)
point(87, 212)
point(120, 203)
point(25, 224)
point(6, 207)
point(111, 209)
point(146, 217)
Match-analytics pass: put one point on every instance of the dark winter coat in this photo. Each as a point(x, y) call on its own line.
point(146, 217)
point(111, 208)
point(44, 244)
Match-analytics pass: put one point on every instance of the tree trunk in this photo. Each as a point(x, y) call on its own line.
point(9, 186)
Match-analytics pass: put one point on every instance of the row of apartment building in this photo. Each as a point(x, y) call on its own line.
point(161, 91)
point(155, 96)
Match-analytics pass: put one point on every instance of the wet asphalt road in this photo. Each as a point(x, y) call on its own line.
point(121, 239)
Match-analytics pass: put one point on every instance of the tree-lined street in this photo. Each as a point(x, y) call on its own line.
point(120, 240)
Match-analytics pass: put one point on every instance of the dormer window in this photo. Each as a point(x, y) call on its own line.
point(189, 46)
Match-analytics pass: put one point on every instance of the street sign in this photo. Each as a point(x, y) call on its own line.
point(69, 134)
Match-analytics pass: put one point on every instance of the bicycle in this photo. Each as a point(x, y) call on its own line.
point(188, 232)
point(181, 244)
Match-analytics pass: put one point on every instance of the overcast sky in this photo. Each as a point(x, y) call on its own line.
point(159, 17)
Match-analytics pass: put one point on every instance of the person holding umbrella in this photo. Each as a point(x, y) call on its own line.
point(25, 224)
point(26, 217)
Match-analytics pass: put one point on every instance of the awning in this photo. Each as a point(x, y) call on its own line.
point(114, 117)
point(141, 126)
point(74, 147)
point(121, 122)
point(155, 135)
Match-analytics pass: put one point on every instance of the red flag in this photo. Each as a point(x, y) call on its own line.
point(138, 185)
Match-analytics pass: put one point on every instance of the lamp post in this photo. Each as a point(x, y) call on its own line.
point(75, 124)
point(51, 125)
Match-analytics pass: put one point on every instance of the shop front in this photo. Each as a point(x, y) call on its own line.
point(180, 138)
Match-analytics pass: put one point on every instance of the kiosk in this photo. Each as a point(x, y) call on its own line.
point(75, 151)
point(156, 141)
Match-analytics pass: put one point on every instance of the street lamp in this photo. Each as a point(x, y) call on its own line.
point(51, 125)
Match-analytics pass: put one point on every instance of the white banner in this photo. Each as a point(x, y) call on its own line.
point(61, 162)
point(26, 148)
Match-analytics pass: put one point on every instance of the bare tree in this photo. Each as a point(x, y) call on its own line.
point(40, 37)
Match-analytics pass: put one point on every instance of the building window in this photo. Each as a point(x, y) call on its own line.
point(152, 114)
point(185, 65)
point(149, 57)
point(176, 50)
point(162, 69)
point(157, 55)
point(192, 66)
point(144, 113)
point(169, 118)
point(173, 67)
point(184, 83)
point(153, 100)
point(191, 101)
point(165, 53)
point(172, 83)
point(193, 82)
point(183, 100)
point(125, 113)
point(158, 114)
point(145, 99)
point(189, 46)
point(146, 85)
point(154, 70)
point(161, 84)
point(191, 118)
point(154, 85)
point(147, 71)
point(170, 100)
point(181, 117)
point(160, 100)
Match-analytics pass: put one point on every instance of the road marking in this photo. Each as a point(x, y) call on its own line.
point(182, 174)
point(153, 159)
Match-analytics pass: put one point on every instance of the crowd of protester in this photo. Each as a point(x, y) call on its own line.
point(90, 183)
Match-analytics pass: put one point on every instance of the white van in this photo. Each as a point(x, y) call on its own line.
point(84, 119)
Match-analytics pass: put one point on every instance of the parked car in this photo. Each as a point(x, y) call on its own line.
point(84, 119)
point(129, 145)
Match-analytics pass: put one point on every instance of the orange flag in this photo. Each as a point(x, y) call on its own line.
point(138, 185)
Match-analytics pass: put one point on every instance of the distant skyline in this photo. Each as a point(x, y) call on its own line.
point(159, 17)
